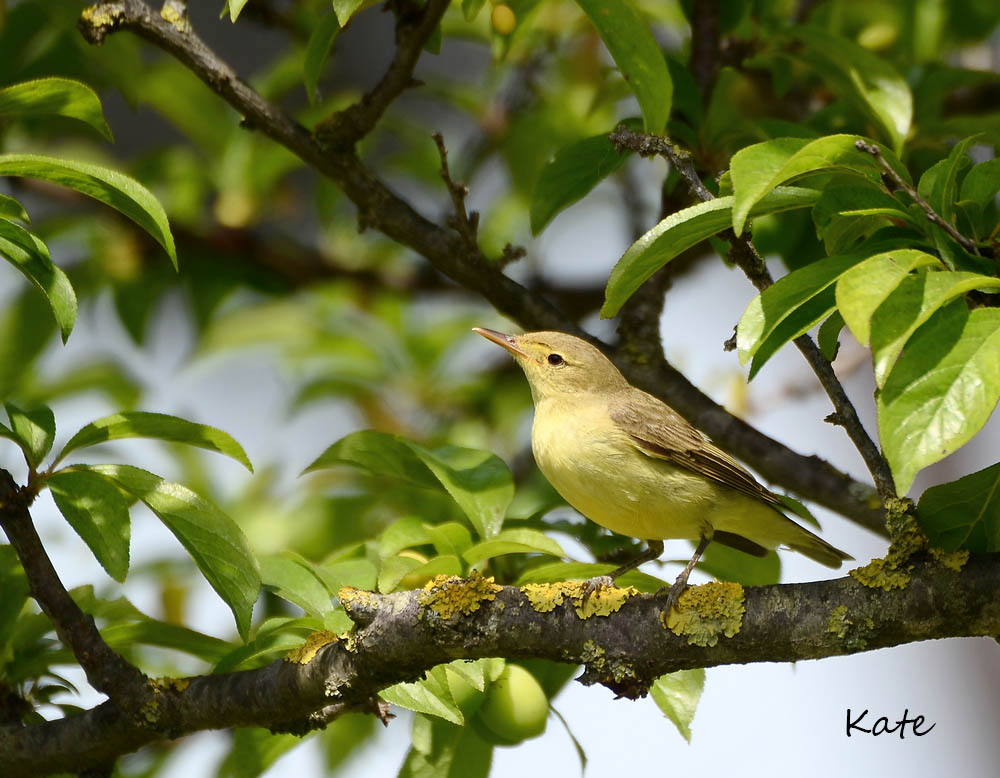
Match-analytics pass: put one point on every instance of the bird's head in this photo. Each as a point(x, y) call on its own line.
point(557, 364)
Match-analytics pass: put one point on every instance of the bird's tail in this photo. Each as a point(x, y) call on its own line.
point(817, 549)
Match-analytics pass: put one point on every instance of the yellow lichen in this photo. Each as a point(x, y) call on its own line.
point(172, 684)
point(102, 15)
point(174, 14)
point(704, 612)
point(893, 570)
point(602, 601)
point(953, 560)
point(839, 623)
point(305, 653)
point(450, 595)
point(361, 598)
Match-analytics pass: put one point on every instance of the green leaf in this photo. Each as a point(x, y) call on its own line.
point(404, 533)
point(799, 321)
point(471, 8)
point(478, 481)
point(293, 581)
point(12, 209)
point(570, 175)
point(235, 7)
point(35, 430)
point(584, 571)
point(449, 538)
point(912, 303)
point(395, 568)
point(982, 182)
point(317, 51)
point(513, 541)
point(14, 585)
point(150, 632)
point(30, 255)
point(847, 214)
point(254, 750)
point(442, 750)
point(728, 564)
point(941, 391)
point(97, 511)
point(945, 185)
point(274, 637)
point(964, 513)
point(112, 188)
point(638, 56)
point(160, 426)
point(828, 337)
point(788, 294)
point(860, 77)
point(55, 96)
point(682, 230)
point(677, 695)
point(345, 9)
point(756, 170)
point(215, 542)
point(430, 696)
point(863, 288)
point(359, 573)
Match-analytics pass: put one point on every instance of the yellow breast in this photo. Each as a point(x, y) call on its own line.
point(598, 470)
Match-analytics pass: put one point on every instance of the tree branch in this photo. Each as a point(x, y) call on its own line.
point(400, 636)
point(932, 215)
point(744, 254)
point(379, 207)
point(106, 671)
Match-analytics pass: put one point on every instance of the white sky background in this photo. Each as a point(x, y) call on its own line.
point(766, 720)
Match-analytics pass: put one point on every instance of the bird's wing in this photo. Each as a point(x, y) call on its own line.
point(659, 431)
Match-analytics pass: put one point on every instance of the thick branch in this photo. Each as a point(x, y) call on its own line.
point(106, 671)
point(381, 208)
point(399, 637)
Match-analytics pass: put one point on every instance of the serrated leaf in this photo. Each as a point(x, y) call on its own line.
point(780, 301)
point(756, 170)
point(296, 583)
point(638, 56)
point(112, 188)
point(863, 288)
point(317, 51)
point(964, 513)
point(912, 303)
point(215, 542)
point(428, 696)
point(55, 96)
point(570, 175)
point(513, 541)
point(159, 426)
point(941, 391)
point(12, 209)
point(857, 75)
point(97, 511)
point(35, 429)
point(30, 256)
point(682, 230)
point(677, 695)
point(478, 481)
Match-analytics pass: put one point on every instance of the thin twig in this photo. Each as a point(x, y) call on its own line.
point(745, 255)
point(932, 215)
point(106, 670)
point(465, 223)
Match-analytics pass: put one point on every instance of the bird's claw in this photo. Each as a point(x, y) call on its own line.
point(594, 585)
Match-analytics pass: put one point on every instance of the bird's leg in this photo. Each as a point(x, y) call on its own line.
point(653, 550)
point(680, 584)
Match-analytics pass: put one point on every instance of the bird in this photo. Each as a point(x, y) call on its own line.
point(629, 462)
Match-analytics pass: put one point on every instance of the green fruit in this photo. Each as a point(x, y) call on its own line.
point(515, 707)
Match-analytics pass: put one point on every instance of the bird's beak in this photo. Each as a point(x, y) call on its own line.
point(504, 341)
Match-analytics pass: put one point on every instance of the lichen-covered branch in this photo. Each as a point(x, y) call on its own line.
point(381, 208)
point(623, 639)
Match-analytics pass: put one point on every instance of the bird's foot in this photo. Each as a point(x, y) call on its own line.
point(674, 593)
point(594, 585)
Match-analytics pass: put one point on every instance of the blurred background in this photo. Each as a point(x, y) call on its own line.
point(290, 329)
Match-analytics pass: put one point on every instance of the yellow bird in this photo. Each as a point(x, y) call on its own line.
point(629, 462)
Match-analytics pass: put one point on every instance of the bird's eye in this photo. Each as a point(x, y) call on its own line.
point(556, 359)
